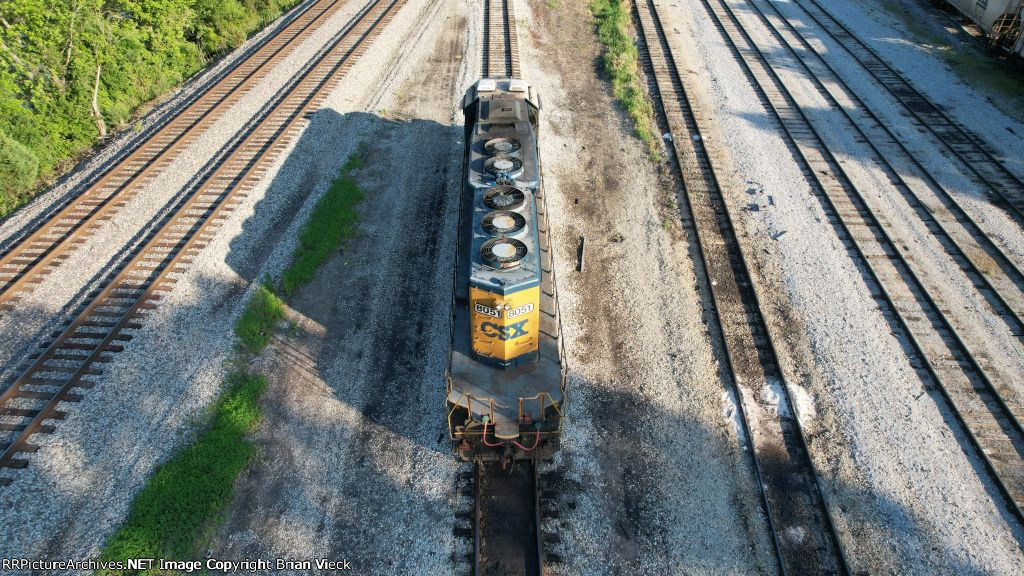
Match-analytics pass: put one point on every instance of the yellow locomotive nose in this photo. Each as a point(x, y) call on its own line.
point(504, 281)
point(505, 326)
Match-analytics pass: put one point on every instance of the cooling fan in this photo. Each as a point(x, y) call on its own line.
point(503, 252)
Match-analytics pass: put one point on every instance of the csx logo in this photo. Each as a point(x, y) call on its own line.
point(504, 333)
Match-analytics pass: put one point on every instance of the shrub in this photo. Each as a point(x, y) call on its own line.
point(19, 168)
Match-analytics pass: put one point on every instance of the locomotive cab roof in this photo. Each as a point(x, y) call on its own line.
point(503, 89)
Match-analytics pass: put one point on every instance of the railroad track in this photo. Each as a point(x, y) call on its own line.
point(799, 520)
point(989, 173)
point(135, 287)
point(506, 520)
point(501, 45)
point(963, 239)
point(936, 350)
point(26, 262)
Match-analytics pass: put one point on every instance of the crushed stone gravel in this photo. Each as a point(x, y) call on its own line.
point(354, 460)
point(885, 451)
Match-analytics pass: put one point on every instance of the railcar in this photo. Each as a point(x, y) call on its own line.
point(505, 378)
point(1001, 20)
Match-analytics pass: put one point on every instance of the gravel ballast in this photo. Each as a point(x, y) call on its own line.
point(355, 461)
point(653, 479)
point(353, 458)
point(905, 495)
point(80, 483)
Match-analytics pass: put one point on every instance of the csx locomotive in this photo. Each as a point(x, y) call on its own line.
point(505, 377)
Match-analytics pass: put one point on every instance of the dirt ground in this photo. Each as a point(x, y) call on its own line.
point(353, 453)
point(354, 458)
point(653, 478)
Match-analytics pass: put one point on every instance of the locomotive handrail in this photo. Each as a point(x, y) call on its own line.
point(469, 405)
point(540, 396)
point(543, 397)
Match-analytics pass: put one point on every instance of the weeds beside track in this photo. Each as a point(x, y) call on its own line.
point(622, 64)
point(185, 499)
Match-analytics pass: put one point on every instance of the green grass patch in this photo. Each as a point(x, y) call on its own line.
point(622, 64)
point(257, 321)
point(333, 221)
point(184, 502)
point(49, 56)
point(186, 497)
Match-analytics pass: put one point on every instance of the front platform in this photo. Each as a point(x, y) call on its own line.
point(519, 407)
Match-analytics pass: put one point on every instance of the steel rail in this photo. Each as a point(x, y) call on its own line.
point(26, 262)
point(500, 42)
point(136, 286)
point(790, 488)
point(940, 354)
point(1003, 184)
point(511, 40)
point(1000, 306)
point(477, 517)
point(485, 70)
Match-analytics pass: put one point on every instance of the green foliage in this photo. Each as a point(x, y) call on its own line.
point(257, 321)
point(18, 170)
point(172, 516)
point(50, 51)
point(185, 500)
point(621, 63)
point(332, 221)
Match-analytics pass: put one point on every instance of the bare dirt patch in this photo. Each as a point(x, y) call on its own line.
point(354, 459)
point(651, 474)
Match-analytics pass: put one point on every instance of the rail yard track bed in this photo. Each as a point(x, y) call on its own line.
point(645, 457)
point(368, 473)
point(795, 345)
point(157, 388)
point(862, 394)
point(353, 456)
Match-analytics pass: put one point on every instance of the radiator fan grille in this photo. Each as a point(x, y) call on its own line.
point(504, 198)
point(503, 252)
point(503, 222)
point(499, 165)
point(500, 146)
